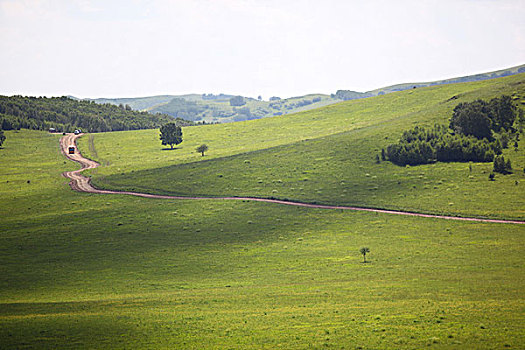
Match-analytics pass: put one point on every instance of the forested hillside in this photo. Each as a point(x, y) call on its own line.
point(66, 114)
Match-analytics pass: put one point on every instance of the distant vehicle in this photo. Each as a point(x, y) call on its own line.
point(71, 149)
point(78, 131)
point(52, 130)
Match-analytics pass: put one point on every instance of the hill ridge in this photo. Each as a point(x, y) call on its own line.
point(217, 108)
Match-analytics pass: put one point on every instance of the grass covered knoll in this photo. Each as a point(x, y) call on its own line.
point(94, 271)
point(325, 156)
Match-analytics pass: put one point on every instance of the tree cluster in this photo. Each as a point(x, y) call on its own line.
point(502, 166)
point(422, 146)
point(184, 109)
point(66, 114)
point(480, 118)
point(302, 103)
point(215, 97)
point(237, 101)
point(474, 126)
point(346, 95)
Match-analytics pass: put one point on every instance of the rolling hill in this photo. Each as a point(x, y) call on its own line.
point(212, 108)
point(324, 156)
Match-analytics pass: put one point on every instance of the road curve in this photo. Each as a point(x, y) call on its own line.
point(82, 183)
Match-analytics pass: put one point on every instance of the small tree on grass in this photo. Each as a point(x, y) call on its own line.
point(202, 148)
point(502, 166)
point(2, 137)
point(363, 251)
point(170, 134)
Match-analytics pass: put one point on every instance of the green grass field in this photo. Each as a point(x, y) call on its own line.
point(91, 271)
point(112, 271)
point(323, 156)
point(81, 270)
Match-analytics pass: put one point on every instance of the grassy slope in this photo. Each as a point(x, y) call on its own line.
point(326, 156)
point(474, 77)
point(91, 271)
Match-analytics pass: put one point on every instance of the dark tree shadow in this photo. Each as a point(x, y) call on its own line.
point(170, 149)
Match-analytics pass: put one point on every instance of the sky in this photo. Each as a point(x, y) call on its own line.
point(132, 48)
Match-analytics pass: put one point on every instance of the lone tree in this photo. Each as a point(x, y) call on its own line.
point(2, 137)
point(171, 134)
point(363, 251)
point(202, 148)
point(502, 166)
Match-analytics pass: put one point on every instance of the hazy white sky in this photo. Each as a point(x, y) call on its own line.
point(130, 48)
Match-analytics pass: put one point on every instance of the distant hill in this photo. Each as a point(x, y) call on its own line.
point(67, 114)
point(468, 78)
point(211, 108)
point(223, 108)
point(140, 103)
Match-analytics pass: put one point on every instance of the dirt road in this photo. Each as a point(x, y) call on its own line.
point(81, 183)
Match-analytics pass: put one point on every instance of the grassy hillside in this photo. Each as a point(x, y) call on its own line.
point(92, 271)
point(469, 78)
point(324, 156)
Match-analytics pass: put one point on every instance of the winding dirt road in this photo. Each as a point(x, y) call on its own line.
point(82, 183)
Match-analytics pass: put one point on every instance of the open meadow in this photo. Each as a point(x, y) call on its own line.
point(114, 271)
